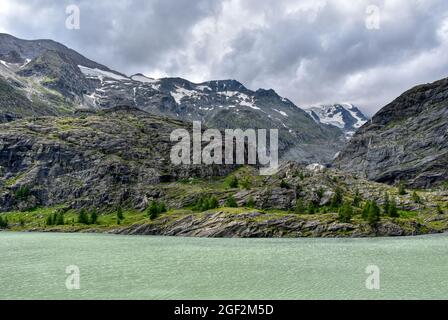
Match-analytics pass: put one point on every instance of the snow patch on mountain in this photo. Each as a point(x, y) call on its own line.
point(345, 116)
point(101, 74)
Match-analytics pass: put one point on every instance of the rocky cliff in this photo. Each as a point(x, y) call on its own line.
point(405, 141)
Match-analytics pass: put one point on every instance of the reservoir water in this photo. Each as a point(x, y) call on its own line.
point(33, 266)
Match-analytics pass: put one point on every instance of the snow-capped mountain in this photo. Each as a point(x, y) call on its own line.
point(60, 81)
point(345, 116)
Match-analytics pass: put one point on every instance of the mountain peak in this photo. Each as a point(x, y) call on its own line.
point(345, 116)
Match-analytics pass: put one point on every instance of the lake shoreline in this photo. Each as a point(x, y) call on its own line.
point(254, 224)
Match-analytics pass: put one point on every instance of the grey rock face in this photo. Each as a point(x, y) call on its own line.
point(406, 140)
point(93, 160)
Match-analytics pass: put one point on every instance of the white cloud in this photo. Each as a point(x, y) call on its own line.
point(308, 51)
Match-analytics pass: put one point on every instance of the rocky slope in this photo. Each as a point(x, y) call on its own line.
point(406, 140)
point(344, 116)
point(226, 223)
point(92, 159)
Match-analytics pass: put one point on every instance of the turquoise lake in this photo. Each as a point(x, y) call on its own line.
point(33, 266)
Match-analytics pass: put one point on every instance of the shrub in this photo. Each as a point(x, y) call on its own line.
point(246, 183)
point(206, 203)
point(155, 209)
point(371, 212)
point(93, 217)
point(83, 217)
point(345, 213)
point(232, 182)
point(311, 208)
point(250, 202)
point(393, 211)
point(300, 208)
point(338, 198)
point(357, 199)
point(284, 184)
point(386, 204)
point(416, 198)
point(49, 220)
point(231, 202)
point(401, 189)
point(22, 193)
point(439, 210)
point(3, 222)
point(120, 215)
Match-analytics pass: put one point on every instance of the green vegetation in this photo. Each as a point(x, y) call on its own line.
point(93, 217)
point(371, 212)
point(55, 219)
point(416, 198)
point(206, 203)
point(357, 199)
point(3, 222)
point(246, 183)
point(338, 198)
point(345, 213)
point(83, 217)
point(311, 208)
point(284, 184)
point(401, 189)
point(300, 208)
point(232, 182)
point(120, 215)
point(250, 202)
point(22, 193)
point(393, 211)
point(155, 209)
point(231, 202)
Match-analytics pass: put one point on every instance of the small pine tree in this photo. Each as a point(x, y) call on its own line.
point(153, 210)
point(357, 199)
point(49, 220)
point(250, 202)
point(300, 208)
point(401, 189)
point(311, 208)
point(213, 203)
point(232, 182)
point(120, 215)
point(246, 183)
point(83, 217)
point(371, 212)
point(93, 217)
point(345, 212)
point(231, 203)
point(162, 207)
point(59, 219)
point(338, 198)
point(393, 211)
point(3, 222)
point(416, 198)
point(386, 204)
point(284, 184)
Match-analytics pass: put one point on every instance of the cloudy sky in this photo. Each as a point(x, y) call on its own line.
point(320, 51)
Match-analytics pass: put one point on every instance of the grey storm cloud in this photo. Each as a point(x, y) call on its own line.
point(308, 51)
